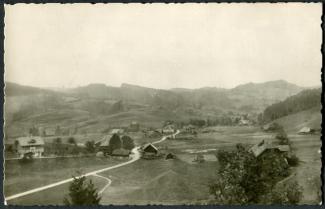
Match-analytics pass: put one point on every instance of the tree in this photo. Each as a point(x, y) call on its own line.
point(128, 143)
point(242, 178)
point(82, 193)
point(115, 142)
point(71, 140)
point(90, 146)
point(57, 141)
point(58, 131)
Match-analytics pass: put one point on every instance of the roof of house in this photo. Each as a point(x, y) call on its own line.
point(30, 141)
point(149, 145)
point(304, 130)
point(121, 152)
point(117, 131)
point(169, 127)
point(104, 141)
point(259, 148)
point(282, 148)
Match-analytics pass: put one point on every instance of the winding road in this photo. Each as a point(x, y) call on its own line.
point(134, 157)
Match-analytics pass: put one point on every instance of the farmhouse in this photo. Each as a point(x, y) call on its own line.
point(117, 131)
point(261, 147)
point(169, 129)
point(30, 145)
point(305, 130)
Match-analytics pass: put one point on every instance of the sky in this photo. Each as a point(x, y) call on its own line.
point(162, 45)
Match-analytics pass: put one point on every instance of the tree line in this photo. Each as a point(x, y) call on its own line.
point(304, 100)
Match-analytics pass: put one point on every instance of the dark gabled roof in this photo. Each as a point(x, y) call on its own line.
point(149, 145)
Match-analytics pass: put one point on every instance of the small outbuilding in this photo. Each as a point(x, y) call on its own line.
point(170, 156)
point(121, 152)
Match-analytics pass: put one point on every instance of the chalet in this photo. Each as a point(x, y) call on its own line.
point(30, 145)
point(134, 127)
point(121, 152)
point(117, 131)
point(305, 130)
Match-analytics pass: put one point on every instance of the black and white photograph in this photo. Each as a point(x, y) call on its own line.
point(162, 104)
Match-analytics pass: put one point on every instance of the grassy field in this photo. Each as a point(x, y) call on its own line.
point(161, 181)
point(20, 177)
point(52, 196)
point(309, 170)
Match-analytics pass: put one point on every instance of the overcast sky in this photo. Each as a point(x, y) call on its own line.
point(162, 45)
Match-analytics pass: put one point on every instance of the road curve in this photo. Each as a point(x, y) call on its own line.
point(134, 157)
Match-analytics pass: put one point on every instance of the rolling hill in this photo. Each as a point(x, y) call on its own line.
point(298, 111)
point(26, 106)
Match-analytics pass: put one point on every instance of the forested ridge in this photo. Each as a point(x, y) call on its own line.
point(302, 101)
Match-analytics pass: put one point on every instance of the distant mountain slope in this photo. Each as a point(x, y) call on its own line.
point(248, 97)
point(13, 89)
point(26, 106)
point(303, 101)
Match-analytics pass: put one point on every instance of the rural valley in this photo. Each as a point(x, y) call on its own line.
point(142, 145)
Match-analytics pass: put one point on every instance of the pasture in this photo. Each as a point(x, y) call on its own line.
point(160, 181)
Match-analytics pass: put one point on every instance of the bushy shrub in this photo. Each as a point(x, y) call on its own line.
point(293, 160)
point(82, 193)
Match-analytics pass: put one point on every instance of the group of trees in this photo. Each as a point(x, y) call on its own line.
point(304, 100)
point(245, 179)
point(82, 192)
point(117, 142)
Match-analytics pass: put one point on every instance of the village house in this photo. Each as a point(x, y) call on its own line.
point(117, 131)
point(169, 129)
point(189, 129)
point(306, 130)
point(261, 147)
point(30, 145)
point(149, 151)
